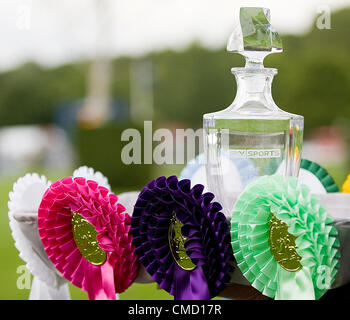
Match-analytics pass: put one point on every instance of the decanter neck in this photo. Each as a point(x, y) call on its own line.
point(254, 90)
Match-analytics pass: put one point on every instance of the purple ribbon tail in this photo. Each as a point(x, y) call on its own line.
point(190, 285)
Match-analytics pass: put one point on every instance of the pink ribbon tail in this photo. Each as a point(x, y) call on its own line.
point(100, 281)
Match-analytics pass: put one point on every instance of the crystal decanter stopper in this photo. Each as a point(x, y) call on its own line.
point(253, 136)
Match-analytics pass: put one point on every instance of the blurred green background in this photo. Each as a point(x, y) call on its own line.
point(313, 80)
point(180, 86)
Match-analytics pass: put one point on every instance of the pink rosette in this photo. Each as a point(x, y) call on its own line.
point(100, 208)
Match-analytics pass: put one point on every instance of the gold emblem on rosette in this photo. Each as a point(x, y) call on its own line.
point(84, 235)
point(177, 245)
point(283, 246)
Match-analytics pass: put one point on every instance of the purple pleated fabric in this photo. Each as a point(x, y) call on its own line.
point(204, 226)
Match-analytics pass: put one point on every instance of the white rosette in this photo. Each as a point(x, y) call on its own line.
point(90, 174)
point(128, 200)
point(48, 284)
point(241, 172)
point(237, 174)
point(314, 176)
point(23, 206)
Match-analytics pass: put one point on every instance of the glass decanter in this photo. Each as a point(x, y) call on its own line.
point(252, 137)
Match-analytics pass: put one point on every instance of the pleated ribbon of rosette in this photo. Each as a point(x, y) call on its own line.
point(193, 263)
point(283, 239)
point(97, 211)
point(324, 180)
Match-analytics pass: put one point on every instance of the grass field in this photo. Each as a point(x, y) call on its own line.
point(10, 260)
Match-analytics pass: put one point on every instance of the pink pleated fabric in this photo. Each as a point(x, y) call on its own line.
point(112, 223)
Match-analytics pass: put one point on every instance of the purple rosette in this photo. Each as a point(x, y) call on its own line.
point(204, 231)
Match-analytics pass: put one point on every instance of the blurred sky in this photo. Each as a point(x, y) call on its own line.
point(57, 31)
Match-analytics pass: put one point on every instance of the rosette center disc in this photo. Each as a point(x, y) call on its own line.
point(177, 245)
point(84, 235)
point(283, 246)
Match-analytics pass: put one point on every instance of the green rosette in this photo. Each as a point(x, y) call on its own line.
point(283, 239)
point(321, 174)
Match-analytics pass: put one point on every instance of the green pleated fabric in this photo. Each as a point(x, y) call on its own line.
point(321, 174)
point(308, 222)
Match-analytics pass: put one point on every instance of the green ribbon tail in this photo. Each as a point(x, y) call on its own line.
point(294, 285)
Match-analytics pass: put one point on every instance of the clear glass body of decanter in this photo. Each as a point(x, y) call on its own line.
point(250, 138)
